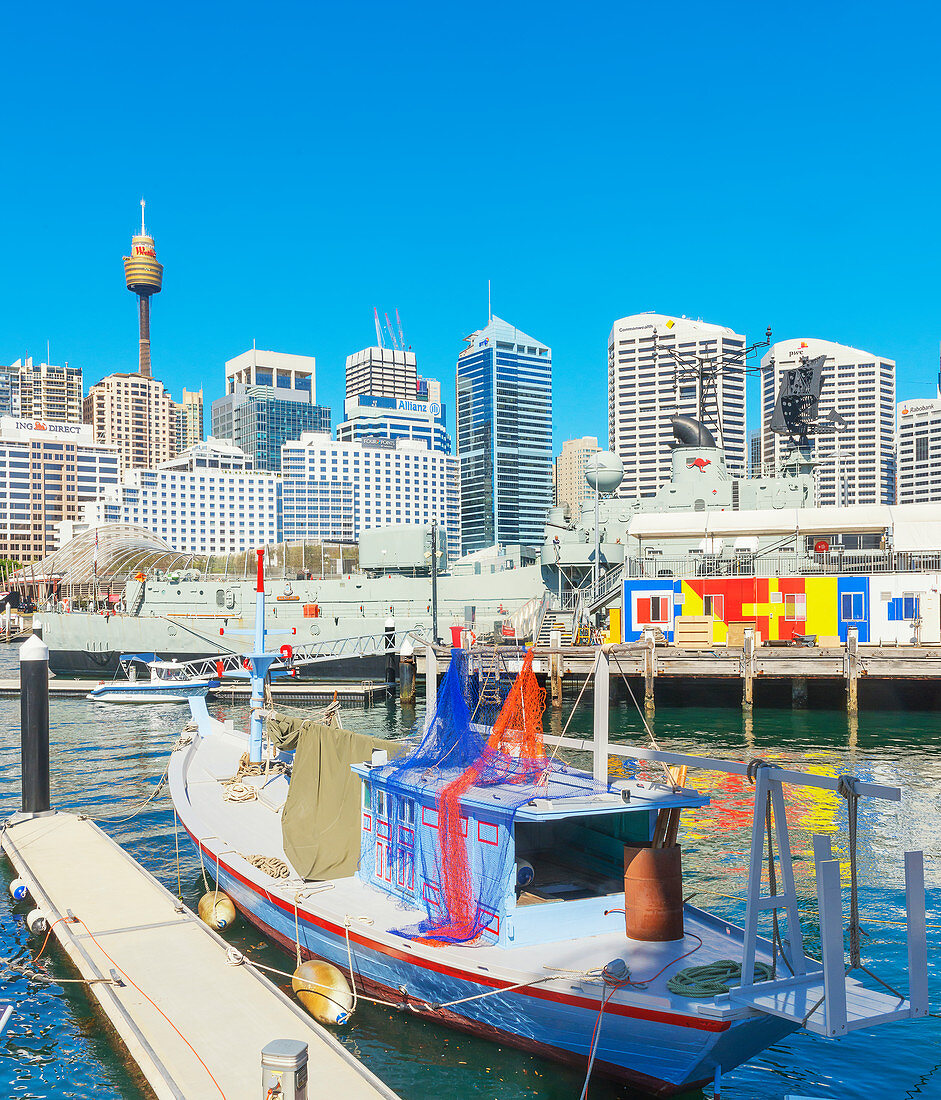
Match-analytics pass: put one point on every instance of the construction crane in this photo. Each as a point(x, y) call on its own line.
point(391, 332)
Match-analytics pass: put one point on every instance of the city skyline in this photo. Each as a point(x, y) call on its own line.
point(795, 226)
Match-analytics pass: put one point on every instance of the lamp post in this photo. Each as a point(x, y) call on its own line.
point(434, 580)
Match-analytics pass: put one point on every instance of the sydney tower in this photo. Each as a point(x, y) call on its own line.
point(144, 277)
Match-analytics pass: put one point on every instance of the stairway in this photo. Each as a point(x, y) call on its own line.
point(556, 620)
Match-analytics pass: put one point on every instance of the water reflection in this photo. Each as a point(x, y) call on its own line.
point(108, 760)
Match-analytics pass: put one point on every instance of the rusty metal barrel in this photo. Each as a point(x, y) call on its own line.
point(653, 893)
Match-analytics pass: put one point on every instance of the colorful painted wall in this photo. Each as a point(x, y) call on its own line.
point(894, 609)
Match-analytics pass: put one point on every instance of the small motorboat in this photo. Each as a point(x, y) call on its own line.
point(170, 682)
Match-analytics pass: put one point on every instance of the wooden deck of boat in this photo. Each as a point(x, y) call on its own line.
point(128, 938)
point(359, 692)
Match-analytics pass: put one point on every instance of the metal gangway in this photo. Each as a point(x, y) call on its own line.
point(237, 665)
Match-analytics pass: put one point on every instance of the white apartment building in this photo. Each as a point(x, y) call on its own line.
point(205, 501)
point(856, 463)
point(334, 490)
point(919, 452)
point(571, 488)
point(646, 387)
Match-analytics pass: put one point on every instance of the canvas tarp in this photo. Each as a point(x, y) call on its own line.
point(321, 820)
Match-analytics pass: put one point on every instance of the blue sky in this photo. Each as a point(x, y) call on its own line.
point(302, 163)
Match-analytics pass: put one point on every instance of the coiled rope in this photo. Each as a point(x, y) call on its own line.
point(714, 978)
point(270, 865)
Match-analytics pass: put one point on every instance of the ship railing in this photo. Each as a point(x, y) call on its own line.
point(852, 562)
point(815, 995)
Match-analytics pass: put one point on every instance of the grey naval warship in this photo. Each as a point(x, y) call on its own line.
point(188, 615)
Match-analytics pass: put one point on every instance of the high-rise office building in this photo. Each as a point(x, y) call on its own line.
point(919, 452)
point(134, 413)
point(652, 376)
point(48, 470)
point(504, 437)
point(334, 490)
point(189, 420)
point(571, 488)
point(369, 417)
point(754, 453)
point(42, 391)
point(386, 398)
point(270, 398)
point(383, 372)
point(856, 463)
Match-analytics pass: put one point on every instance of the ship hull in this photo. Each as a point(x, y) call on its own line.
point(663, 1053)
point(192, 620)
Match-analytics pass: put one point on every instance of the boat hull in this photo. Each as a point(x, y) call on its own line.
point(143, 693)
point(661, 1052)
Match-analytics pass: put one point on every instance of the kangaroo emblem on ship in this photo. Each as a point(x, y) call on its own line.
point(700, 463)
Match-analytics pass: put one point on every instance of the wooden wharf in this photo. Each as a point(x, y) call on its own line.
point(794, 667)
point(138, 948)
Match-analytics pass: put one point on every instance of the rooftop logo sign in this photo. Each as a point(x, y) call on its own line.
point(48, 426)
point(19, 428)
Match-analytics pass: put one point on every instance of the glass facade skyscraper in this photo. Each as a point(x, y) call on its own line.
point(270, 399)
point(504, 437)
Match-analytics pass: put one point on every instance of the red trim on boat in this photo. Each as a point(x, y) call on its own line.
point(678, 1020)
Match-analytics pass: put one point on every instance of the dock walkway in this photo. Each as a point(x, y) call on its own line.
point(97, 899)
point(354, 692)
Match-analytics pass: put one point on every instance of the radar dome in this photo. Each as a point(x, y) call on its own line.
point(604, 471)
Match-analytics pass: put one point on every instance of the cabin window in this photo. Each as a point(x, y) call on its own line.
point(909, 606)
point(851, 607)
point(366, 797)
point(714, 606)
point(380, 803)
point(795, 606)
point(408, 811)
point(652, 609)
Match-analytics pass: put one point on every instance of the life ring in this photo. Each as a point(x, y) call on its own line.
point(472, 638)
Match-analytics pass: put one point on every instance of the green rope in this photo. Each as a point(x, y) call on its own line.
point(713, 978)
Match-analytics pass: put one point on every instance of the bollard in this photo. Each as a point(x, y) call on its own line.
point(407, 672)
point(392, 660)
point(34, 724)
point(284, 1070)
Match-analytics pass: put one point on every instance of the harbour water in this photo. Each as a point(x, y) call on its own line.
point(107, 760)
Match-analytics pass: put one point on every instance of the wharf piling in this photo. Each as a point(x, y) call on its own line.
point(407, 673)
point(555, 667)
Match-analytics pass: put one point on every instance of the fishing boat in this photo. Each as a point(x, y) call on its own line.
point(170, 682)
point(477, 880)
